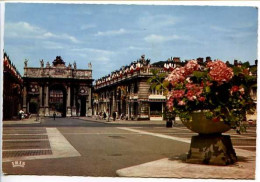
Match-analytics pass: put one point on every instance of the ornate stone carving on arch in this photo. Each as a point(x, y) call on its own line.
point(83, 90)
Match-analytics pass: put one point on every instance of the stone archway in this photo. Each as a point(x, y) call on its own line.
point(57, 100)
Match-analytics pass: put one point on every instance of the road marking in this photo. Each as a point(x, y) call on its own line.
point(156, 134)
point(240, 152)
point(100, 133)
point(10, 150)
point(25, 134)
point(59, 145)
point(24, 140)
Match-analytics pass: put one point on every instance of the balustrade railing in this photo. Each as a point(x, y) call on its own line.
point(146, 71)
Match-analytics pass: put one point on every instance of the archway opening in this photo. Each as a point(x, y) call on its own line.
point(57, 100)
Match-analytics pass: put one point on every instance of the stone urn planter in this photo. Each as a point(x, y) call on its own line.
point(209, 146)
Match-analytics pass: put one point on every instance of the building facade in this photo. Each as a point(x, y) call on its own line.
point(58, 88)
point(12, 97)
point(126, 91)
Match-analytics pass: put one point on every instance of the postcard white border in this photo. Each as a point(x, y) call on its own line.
point(15, 178)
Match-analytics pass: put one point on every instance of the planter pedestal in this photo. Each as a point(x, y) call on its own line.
point(213, 149)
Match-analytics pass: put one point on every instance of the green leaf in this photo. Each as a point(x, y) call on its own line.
point(199, 74)
point(246, 64)
point(158, 87)
point(150, 80)
point(237, 70)
point(207, 89)
point(165, 83)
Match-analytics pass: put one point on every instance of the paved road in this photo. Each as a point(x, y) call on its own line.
point(100, 148)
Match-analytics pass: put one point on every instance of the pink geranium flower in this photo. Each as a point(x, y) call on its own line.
point(219, 71)
point(191, 66)
point(177, 94)
point(181, 103)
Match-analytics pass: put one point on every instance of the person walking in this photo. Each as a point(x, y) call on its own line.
point(54, 115)
point(104, 115)
point(114, 116)
point(21, 114)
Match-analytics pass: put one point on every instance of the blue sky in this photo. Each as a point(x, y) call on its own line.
point(110, 36)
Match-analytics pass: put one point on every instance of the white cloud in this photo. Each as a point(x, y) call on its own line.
point(157, 21)
point(87, 26)
point(52, 45)
point(112, 32)
point(221, 29)
point(135, 48)
point(102, 60)
point(91, 50)
point(28, 31)
point(153, 38)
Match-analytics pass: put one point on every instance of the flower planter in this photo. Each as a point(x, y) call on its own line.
point(210, 146)
point(200, 124)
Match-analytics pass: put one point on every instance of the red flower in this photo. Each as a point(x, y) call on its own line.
point(177, 94)
point(169, 103)
point(191, 66)
point(235, 88)
point(181, 103)
point(202, 99)
point(190, 95)
point(216, 119)
point(219, 71)
point(176, 76)
point(190, 86)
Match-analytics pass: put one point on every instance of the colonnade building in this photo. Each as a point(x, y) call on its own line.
point(57, 88)
point(12, 92)
point(126, 91)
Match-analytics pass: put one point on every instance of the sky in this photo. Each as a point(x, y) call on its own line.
point(111, 36)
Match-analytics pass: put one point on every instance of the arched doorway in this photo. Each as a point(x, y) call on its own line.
point(57, 100)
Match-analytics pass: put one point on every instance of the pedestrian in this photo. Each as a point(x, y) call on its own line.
point(21, 114)
point(54, 115)
point(114, 116)
point(104, 115)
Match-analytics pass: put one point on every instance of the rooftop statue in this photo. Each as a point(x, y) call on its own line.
point(58, 61)
point(42, 63)
point(47, 64)
point(25, 63)
point(89, 65)
point(75, 65)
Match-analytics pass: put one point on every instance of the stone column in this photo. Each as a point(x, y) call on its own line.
point(68, 113)
point(46, 103)
point(74, 112)
point(79, 109)
point(24, 99)
point(41, 108)
point(89, 107)
point(132, 110)
point(114, 102)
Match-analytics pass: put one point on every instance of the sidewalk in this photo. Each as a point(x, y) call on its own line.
point(127, 122)
point(28, 121)
point(178, 168)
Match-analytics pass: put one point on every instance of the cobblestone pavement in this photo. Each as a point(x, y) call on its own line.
point(29, 141)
